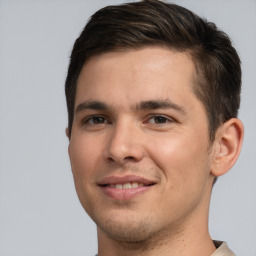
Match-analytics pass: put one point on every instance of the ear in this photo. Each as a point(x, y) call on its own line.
point(227, 145)
point(68, 134)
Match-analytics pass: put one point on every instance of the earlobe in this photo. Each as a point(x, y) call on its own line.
point(228, 144)
point(68, 133)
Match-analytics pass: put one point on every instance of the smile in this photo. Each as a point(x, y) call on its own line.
point(125, 188)
point(127, 185)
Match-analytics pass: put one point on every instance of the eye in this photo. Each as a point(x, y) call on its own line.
point(95, 120)
point(159, 120)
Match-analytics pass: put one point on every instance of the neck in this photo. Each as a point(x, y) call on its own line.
point(191, 241)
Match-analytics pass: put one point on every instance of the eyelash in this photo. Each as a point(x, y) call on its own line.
point(163, 117)
point(94, 117)
point(103, 121)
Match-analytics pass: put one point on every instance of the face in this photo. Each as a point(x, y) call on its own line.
point(139, 148)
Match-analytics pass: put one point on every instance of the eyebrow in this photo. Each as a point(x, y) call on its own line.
point(144, 105)
point(159, 104)
point(96, 105)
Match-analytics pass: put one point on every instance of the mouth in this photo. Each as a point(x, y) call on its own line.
point(125, 188)
point(127, 185)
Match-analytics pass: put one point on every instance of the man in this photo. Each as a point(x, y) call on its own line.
point(153, 93)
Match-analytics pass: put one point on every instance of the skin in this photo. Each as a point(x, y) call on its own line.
point(167, 143)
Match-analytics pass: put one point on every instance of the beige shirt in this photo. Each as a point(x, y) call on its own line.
point(222, 249)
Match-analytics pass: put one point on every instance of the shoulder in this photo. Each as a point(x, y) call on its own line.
point(222, 249)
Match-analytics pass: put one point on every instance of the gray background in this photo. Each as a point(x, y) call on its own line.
point(39, 211)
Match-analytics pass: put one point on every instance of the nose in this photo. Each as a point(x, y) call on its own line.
point(124, 144)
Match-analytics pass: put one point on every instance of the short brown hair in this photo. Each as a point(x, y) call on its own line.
point(152, 22)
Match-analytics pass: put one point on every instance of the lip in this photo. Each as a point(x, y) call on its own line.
point(125, 179)
point(124, 194)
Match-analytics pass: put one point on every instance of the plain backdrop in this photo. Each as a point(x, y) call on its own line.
point(40, 214)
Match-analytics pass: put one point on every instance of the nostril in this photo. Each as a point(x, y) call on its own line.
point(122, 161)
point(110, 159)
point(129, 158)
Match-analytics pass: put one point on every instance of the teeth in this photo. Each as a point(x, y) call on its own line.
point(134, 185)
point(127, 185)
point(119, 186)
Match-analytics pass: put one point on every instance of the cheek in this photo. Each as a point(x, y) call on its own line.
point(84, 154)
point(182, 161)
point(84, 157)
point(184, 167)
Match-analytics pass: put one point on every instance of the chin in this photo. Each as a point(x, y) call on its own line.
point(128, 230)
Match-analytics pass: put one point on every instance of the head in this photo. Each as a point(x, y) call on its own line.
point(217, 80)
point(152, 93)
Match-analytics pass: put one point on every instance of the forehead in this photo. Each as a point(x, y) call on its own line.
point(136, 75)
